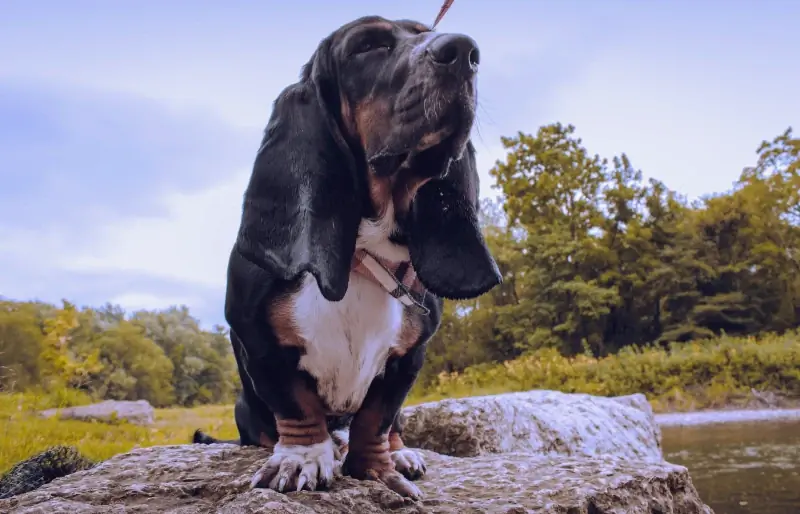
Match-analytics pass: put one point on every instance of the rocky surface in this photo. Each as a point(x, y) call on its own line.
point(139, 412)
point(537, 452)
point(546, 423)
point(205, 479)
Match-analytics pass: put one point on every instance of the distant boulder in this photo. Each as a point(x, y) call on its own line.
point(139, 412)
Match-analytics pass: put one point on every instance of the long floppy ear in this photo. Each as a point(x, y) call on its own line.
point(302, 207)
point(447, 248)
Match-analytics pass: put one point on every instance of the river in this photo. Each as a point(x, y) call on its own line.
point(739, 467)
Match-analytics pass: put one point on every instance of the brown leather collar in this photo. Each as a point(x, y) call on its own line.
point(399, 279)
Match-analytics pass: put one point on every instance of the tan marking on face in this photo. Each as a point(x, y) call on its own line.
point(405, 189)
point(380, 25)
point(347, 117)
point(409, 333)
point(380, 191)
point(432, 139)
point(281, 317)
point(372, 122)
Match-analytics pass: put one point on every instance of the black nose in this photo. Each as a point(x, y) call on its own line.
point(457, 52)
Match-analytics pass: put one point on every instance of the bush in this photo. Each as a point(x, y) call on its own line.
point(682, 376)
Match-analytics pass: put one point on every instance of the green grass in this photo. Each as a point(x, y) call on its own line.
point(23, 433)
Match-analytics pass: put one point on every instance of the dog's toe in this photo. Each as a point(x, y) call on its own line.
point(399, 484)
point(410, 463)
point(296, 468)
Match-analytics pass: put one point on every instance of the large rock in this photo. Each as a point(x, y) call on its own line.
point(545, 423)
point(139, 412)
point(204, 479)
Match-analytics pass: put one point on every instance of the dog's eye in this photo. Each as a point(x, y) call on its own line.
point(371, 45)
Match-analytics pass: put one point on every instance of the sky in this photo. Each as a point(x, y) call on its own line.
point(128, 128)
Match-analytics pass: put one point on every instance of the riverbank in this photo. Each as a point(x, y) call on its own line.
point(713, 417)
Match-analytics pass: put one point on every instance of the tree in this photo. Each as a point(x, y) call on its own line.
point(552, 185)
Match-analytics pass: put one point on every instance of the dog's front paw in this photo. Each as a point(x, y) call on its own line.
point(378, 467)
point(297, 467)
point(410, 463)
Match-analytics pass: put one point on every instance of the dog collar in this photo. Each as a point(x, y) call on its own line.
point(399, 279)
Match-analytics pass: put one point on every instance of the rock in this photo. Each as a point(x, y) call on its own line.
point(214, 478)
point(537, 452)
point(139, 412)
point(42, 468)
point(545, 423)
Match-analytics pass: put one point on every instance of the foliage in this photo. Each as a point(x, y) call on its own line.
point(596, 259)
point(163, 357)
point(681, 376)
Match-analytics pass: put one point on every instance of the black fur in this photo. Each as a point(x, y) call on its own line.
point(310, 188)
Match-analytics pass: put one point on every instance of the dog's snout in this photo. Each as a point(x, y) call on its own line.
point(456, 52)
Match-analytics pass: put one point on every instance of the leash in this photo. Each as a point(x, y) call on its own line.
point(445, 7)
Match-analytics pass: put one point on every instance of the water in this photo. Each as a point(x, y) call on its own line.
point(739, 467)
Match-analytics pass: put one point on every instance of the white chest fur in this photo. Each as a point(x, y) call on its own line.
point(347, 342)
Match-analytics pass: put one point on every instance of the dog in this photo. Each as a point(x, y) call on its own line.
point(359, 219)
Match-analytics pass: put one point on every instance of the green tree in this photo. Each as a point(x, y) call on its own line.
point(551, 185)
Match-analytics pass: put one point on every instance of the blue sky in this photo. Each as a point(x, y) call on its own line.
point(127, 128)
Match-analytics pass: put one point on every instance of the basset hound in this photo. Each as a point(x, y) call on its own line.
point(360, 217)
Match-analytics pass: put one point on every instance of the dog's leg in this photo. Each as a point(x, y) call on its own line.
point(369, 455)
point(304, 456)
point(409, 462)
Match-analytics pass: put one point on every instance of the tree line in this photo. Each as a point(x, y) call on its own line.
point(595, 259)
point(163, 357)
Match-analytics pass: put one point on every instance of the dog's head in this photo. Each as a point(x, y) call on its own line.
point(377, 127)
point(404, 91)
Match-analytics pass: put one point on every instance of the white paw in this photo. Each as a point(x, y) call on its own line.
point(295, 467)
point(409, 462)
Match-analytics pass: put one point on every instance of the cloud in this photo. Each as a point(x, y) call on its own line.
point(682, 117)
point(73, 156)
point(189, 243)
point(146, 301)
point(192, 240)
point(82, 166)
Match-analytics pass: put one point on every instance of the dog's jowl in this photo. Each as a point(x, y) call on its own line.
point(360, 217)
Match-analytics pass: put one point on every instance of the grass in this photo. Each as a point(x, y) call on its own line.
point(23, 433)
point(692, 376)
